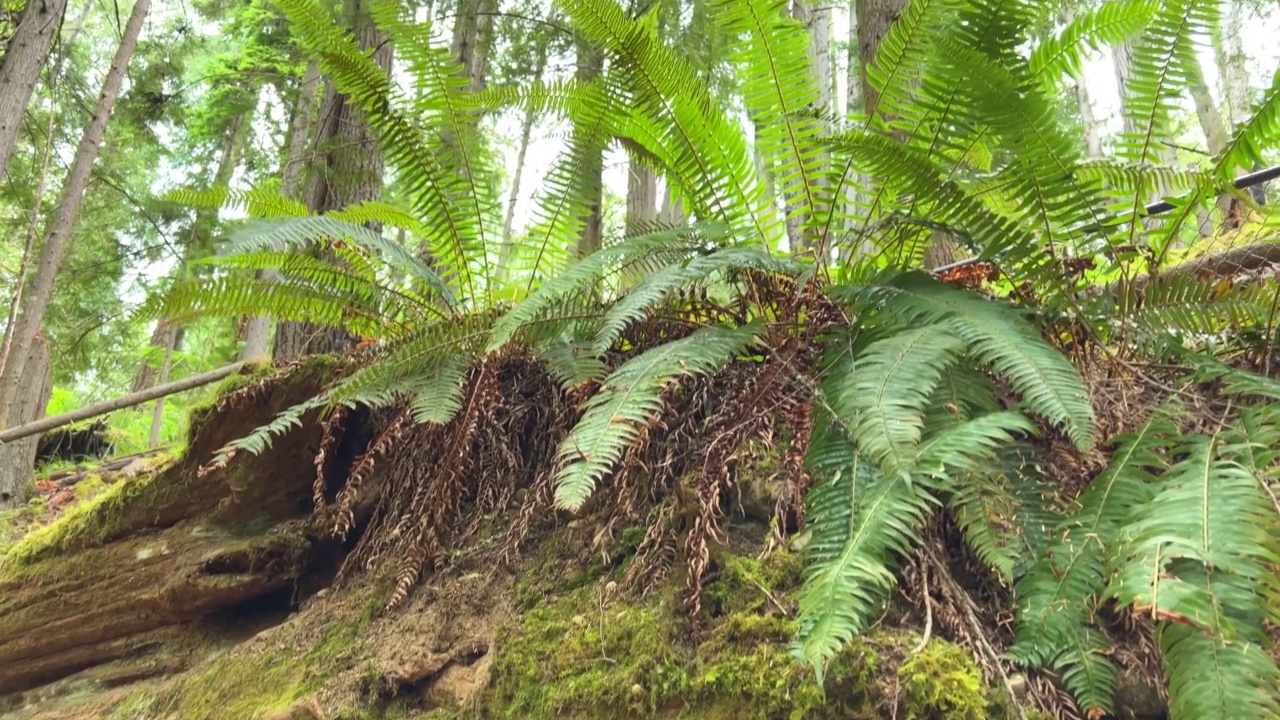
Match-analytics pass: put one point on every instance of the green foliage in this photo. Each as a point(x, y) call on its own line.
point(627, 401)
point(965, 141)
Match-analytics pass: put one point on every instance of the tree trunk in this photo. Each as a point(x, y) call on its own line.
point(590, 63)
point(257, 331)
point(874, 18)
point(1234, 63)
point(642, 208)
point(507, 255)
point(17, 459)
point(1216, 137)
point(672, 212)
point(24, 57)
point(54, 248)
point(1092, 135)
point(348, 171)
point(472, 39)
point(817, 21)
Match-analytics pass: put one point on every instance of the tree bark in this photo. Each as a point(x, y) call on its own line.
point(24, 57)
point(1216, 138)
point(1234, 63)
point(472, 39)
point(1092, 135)
point(19, 458)
point(257, 331)
point(874, 18)
point(54, 248)
point(590, 63)
point(817, 21)
point(348, 170)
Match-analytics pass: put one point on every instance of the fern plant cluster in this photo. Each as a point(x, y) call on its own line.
point(640, 380)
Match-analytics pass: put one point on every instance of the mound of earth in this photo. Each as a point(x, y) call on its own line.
point(226, 595)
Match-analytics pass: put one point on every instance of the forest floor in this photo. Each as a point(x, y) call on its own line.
point(152, 592)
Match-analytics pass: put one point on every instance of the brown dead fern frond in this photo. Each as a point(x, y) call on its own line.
point(331, 432)
point(363, 467)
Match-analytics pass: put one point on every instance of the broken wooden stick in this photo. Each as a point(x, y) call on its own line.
point(119, 403)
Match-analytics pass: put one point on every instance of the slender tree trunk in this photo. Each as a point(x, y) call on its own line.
point(1217, 136)
point(1122, 63)
point(1235, 64)
point(257, 331)
point(507, 255)
point(472, 39)
point(54, 248)
point(874, 18)
point(348, 171)
point(590, 63)
point(24, 57)
point(1092, 134)
point(817, 21)
point(672, 212)
point(642, 207)
point(166, 339)
point(18, 458)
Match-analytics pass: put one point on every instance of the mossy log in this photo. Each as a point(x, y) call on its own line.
point(161, 549)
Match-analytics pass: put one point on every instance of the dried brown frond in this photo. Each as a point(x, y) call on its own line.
point(331, 431)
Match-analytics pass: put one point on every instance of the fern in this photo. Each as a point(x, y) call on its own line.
point(887, 391)
point(996, 337)
point(1057, 596)
point(1199, 559)
point(629, 399)
point(1109, 24)
point(859, 521)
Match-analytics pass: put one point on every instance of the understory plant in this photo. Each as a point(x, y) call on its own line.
point(897, 396)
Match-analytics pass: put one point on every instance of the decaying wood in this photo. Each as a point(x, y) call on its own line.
point(119, 403)
point(175, 549)
point(71, 476)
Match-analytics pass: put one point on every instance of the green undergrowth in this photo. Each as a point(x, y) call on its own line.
point(584, 652)
point(105, 509)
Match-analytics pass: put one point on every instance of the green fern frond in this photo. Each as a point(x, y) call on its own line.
point(1086, 672)
point(859, 521)
point(1055, 598)
point(658, 286)
point(670, 113)
point(448, 202)
point(1092, 28)
point(240, 296)
point(884, 399)
point(587, 272)
point(1211, 679)
point(630, 398)
point(1234, 380)
point(317, 230)
point(1251, 138)
point(1200, 551)
point(777, 87)
point(996, 336)
point(255, 203)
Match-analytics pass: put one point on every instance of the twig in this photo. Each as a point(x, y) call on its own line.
point(965, 603)
point(928, 612)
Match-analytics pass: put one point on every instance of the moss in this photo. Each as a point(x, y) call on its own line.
point(584, 656)
point(245, 685)
point(88, 523)
point(749, 584)
point(942, 682)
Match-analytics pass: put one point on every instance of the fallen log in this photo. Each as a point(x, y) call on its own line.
point(166, 549)
point(119, 403)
